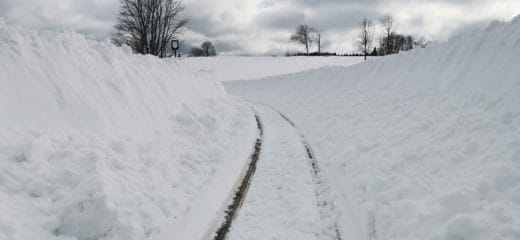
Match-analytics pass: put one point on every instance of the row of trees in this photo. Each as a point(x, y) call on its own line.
point(150, 26)
point(206, 50)
point(389, 42)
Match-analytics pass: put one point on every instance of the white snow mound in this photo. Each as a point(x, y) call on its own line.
point(98, 143)
point(419, 145)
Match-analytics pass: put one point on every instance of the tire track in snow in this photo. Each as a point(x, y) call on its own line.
point(241, 191)
point(325, 204)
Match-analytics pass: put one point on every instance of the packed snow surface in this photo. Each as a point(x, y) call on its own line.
point(228, 68)
point(419, 145)
point(281, 201)
point(98, 143)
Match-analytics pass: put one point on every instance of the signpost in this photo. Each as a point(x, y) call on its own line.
point(175, 47)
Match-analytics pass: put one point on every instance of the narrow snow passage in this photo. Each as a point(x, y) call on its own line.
point(281, 202)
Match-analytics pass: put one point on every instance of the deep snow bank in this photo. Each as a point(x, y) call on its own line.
point(97, 143)
point(420, 145)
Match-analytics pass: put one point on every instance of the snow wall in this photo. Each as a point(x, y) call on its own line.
point(420, 145)
point(98, 143)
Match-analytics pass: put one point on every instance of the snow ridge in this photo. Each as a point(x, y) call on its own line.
point(99, 143)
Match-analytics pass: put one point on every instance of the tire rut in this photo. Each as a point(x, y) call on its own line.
point(325, 204)
point(241, 191)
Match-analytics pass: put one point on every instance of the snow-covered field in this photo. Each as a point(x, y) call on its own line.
point(420, 145)
point(243, 68)
point(98, 143)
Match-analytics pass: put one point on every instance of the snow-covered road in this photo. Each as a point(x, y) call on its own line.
point(282, 200)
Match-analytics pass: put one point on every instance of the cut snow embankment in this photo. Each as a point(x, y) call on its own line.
point(98, 143)
point(419, 145)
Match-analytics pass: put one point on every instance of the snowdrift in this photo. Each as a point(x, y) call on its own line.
point(419, 145)
point(98, 143)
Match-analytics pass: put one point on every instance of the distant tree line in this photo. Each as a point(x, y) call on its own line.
point(392, 42)
point(206, 50)
point(289, 54)
point(328, 54)
point(389, 42)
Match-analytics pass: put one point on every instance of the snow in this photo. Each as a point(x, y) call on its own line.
point(203, 217)
point(280, 203)
point(98, 143)
point(227, 68)
point(419, 145)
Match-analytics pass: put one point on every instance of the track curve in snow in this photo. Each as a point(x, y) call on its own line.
point(285, 143)
point(242, 189)
point(325, 203)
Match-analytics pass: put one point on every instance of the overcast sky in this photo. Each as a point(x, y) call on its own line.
point(260, 27)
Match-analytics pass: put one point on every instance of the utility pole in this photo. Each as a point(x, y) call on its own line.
point(319, 43)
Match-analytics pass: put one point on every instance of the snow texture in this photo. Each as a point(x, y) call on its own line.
point(280, 203)
point(98, 143)
point(420, 145)
point(228, 68)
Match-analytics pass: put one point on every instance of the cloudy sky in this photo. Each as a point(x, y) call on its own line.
point(263, 27)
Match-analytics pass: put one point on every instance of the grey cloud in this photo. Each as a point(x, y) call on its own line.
point(281, 21)
point(4, 6)
point(212, 26)
point(341, 18)
point(223, 46)
point(334, 4)
point(371, 3)
point(233, 26)
point(98, 9)
point(209, 27)
point(472, 26)
point(325, 17)
point(93, 18)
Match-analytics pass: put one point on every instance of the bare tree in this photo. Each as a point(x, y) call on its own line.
point(196, 52)
point(365, 36)
point(409, 43)
point(398, 42)
point(387, 22)
point(302, 35)
point(208, 49)
point(148, 26)
point(420, 43)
